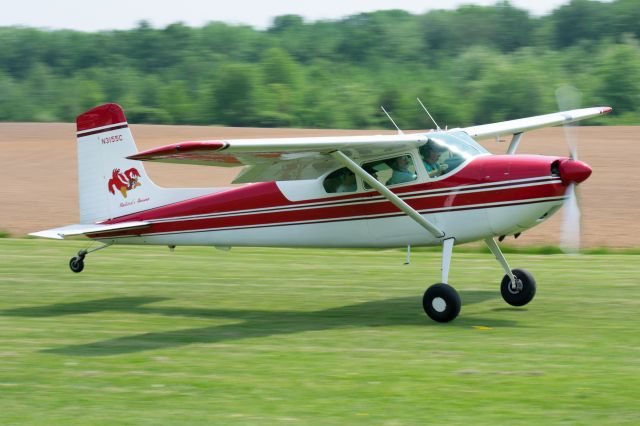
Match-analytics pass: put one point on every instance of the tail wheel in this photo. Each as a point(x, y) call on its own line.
point(522, 291)
point(441, 302)
point(76, 264)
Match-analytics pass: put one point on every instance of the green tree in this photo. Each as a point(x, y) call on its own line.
point(580, 20)
point(620, 78)
point(509, 92)
point(236, 95)
point(471, 64)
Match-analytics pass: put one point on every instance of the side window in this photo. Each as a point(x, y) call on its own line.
point(437, 159)
point(392, 171)
point(342, 180)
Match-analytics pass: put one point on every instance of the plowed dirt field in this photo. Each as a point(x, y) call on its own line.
point(39, 191)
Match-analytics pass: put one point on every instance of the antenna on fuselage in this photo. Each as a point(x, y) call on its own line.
point(391, 119)
point(427, 111)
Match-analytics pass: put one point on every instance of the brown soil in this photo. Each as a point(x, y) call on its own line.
point(38, 169)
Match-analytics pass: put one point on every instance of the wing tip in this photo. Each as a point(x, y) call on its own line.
point(605, 110)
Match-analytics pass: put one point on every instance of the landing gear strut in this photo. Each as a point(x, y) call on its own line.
point(76, 264)
point(441, 302)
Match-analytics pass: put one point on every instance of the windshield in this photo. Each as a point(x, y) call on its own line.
point(445, 152)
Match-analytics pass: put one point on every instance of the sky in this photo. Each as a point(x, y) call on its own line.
point(124, 14)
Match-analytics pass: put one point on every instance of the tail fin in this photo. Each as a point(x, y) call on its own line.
point(111, 185)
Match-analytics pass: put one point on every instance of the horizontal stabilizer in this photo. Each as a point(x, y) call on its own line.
point(84, 229)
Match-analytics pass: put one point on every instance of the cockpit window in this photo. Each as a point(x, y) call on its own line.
point(445, 152)
point(392, 171)
point(342, 180)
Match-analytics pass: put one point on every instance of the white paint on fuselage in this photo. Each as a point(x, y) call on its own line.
point(465, 226)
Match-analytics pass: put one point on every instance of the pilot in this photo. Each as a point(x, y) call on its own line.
point(401, 173)
point(430, 155)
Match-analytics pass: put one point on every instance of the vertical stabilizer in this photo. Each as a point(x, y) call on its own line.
point(110, 185)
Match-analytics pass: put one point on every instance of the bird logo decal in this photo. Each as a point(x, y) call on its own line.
point(124, 182)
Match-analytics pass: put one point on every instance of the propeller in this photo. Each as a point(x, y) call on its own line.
point(570, 231)
point(568, 98)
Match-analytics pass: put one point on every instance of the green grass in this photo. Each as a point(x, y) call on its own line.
point(274, 336)
point(506, 248)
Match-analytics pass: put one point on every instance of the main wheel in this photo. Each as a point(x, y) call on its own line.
point(76, 264)
point(441, 302)
point(522, 292)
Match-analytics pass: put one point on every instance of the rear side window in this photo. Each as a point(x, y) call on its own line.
point(342, 180)
point(392, 171)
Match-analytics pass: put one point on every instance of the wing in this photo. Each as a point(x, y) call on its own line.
point(308, 158)
point(486, 131)
point(280, 159)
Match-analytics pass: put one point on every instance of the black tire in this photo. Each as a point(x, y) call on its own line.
point(76, 264)
point(441, 302)
point(523, 293)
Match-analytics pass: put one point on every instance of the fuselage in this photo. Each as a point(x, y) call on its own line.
point(488, 196)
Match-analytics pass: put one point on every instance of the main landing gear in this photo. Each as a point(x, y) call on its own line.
point(441, 302)
point(76, 264)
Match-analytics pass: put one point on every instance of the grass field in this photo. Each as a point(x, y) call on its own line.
point(274, 336)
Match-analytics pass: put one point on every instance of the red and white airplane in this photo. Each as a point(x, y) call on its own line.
point(423, 189)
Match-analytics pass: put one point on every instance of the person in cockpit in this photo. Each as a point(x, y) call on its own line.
point(348, 183)
point(401, 173)
point(430, 154)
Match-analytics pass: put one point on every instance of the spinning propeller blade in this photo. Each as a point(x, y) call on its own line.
point(570, 233)
point(568, 98)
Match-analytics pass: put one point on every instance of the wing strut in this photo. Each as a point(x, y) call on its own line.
point(386, 193)
point(515, 141)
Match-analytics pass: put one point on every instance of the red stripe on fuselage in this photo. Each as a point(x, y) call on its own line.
point(382, 208)
point(486, 177)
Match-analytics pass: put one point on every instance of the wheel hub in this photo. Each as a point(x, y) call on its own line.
point(439, 304)
point(515, 288)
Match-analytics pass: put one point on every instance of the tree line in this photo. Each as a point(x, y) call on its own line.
point(471, 65)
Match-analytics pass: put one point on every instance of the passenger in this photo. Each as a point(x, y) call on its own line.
point(430, 155)
point(401, 171)
point(348, 182)
point(332, 181)
point(371, 170)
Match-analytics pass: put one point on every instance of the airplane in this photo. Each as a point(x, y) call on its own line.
point(435, 188)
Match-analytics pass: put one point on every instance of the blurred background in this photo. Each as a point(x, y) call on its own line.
point(301, 75)
point(470, 64)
